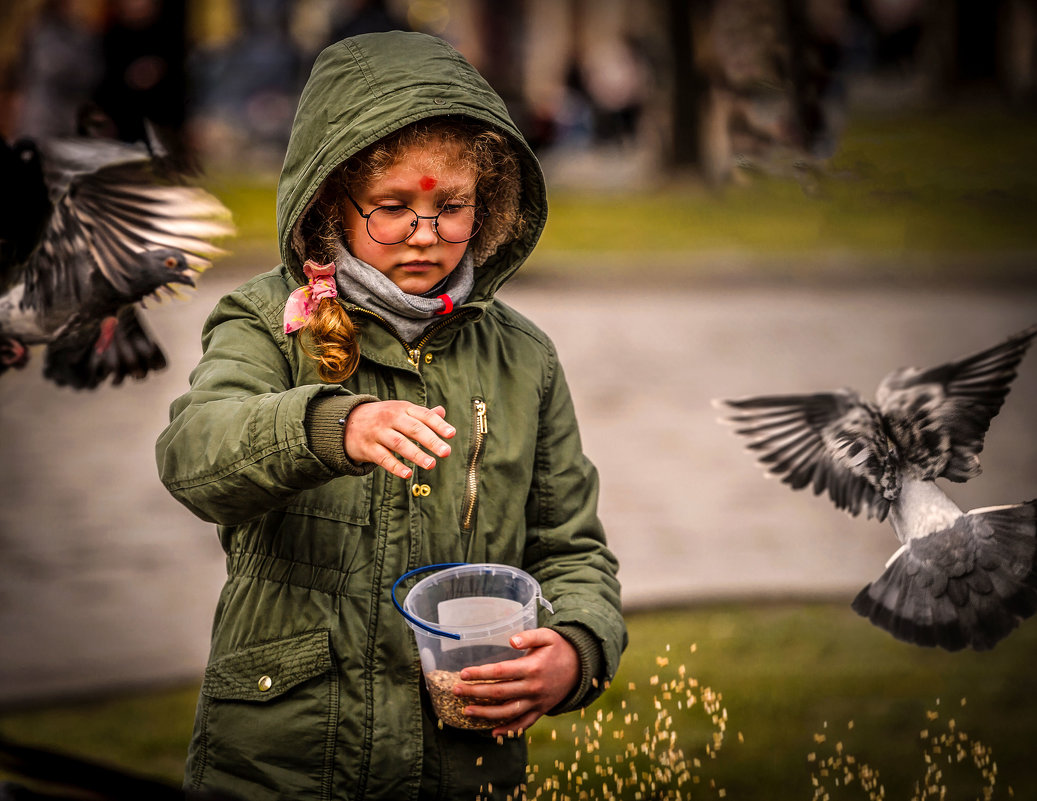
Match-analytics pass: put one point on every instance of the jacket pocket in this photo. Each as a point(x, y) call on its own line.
point(342, 500)
point(268, 720)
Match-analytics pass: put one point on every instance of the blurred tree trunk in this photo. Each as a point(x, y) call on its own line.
point(1017, 50)
point(970, 45)
point(688, 85)
point(756, 84)
point(503, 27)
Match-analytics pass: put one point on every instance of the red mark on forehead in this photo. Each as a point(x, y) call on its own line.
point(427, 183)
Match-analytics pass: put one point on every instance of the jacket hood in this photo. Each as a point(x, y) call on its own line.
point(366, 87)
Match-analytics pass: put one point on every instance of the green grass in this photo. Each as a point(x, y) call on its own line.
point(940, 182)
point(784, 674)
point(960, 181)
point(786, 681)
point(252, 199)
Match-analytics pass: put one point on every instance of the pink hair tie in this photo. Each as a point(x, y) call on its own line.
point(304, 300)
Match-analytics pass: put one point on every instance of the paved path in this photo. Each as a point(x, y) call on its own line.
point(106, 581)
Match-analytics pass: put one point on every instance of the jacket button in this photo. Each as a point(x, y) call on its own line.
point(265, 683)
point(420, 490)
point(428, 358)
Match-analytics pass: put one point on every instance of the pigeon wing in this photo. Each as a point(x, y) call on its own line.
point(91, 350)
point(968, 585)
point(831, 441)
point(940, 416)
point(112, 203)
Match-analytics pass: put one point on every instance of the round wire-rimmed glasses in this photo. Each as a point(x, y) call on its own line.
point(391, 225)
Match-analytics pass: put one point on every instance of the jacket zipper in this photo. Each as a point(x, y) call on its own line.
point(413, 351)
point(480, 427)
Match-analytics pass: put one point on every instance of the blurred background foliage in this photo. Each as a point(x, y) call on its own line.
point(888, 188)
point(895, 129)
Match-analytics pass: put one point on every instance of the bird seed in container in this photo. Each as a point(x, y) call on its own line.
point(450, 707)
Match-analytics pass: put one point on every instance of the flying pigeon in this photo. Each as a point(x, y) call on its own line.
point(959, 579)
point(92, 228)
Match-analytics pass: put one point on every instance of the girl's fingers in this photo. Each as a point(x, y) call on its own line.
point(519, 714)
point(505, 710)
point(388, 432)
point(520, 690)
point(391, 464)
point(493, 694)
point(429, 425)
point(409, 447)
point(495, 672)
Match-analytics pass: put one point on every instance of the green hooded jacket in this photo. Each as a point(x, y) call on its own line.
point(314, 688)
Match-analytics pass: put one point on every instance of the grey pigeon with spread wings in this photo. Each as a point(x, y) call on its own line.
point(99, 226)
point(959, 579)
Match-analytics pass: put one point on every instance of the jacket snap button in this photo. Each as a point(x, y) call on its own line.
point(265, 683)
point(439, 101)
point(420, 490)
point(428, 358)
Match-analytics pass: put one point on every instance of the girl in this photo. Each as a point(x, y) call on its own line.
point(369, 407)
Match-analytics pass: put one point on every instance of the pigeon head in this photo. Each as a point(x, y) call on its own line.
point(158, 268)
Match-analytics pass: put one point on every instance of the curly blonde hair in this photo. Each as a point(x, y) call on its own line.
point(330, 336)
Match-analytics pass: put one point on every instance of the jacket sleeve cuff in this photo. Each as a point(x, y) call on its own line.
point(324, 431)
point(592, 662)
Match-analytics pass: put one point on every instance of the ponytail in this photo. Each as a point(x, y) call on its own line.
point(330, 338)
point(327, 334)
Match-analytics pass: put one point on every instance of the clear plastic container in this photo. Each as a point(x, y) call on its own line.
point(464, 615)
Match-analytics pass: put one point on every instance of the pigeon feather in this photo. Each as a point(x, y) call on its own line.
point(828, 441)
point(959, 579)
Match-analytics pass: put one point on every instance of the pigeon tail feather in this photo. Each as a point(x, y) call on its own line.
point(966, 586)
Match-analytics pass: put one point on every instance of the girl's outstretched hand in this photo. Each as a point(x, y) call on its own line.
point(523, 689)
point(383, 432)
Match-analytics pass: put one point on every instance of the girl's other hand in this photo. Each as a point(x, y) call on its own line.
point(383, 432)
point(523, 689)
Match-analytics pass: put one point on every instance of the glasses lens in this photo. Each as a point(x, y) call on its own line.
point(390, 225)
point(457, 223)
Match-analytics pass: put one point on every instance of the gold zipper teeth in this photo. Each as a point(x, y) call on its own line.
point(413, 353)
point(480, 428)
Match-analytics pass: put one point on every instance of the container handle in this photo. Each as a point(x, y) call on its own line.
point(413, 620)
point(424, 626)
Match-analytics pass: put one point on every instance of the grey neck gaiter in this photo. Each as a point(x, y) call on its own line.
point(410, 315)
